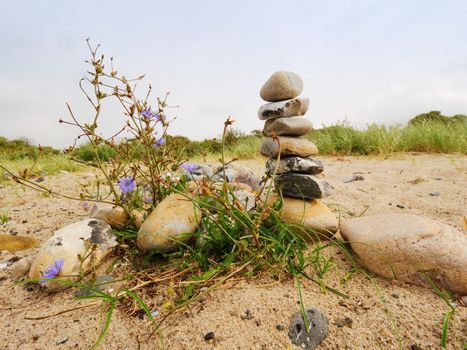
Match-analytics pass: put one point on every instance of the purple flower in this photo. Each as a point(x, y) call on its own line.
point(147, 113)
point(127, 184)
point(189, 167)
point(85, 205)
point(52, 271)
point(159, 142)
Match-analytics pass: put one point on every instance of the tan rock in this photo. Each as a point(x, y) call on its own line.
point(90, 238)
point(289, 146)
point(284, 109)
point(311, 213)
point(115, 216)
point(282, 85)
point(21, 268)
point(295, 126)
point(410, 248)
point(14, 243)
point(173, 221)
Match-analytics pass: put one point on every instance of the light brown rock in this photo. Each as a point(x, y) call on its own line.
point(284, 109)
point(115, 216)
point(311, 213)
point(282, 85)
point(289, 146)
point(295, 126)
point(174, 220)
point(410, 248)
point(21, 268)
point(91, 238)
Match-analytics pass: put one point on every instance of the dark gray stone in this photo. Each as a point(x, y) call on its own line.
point(295, 165)
point(302, 186)
point(318, 329)
point(285, 109)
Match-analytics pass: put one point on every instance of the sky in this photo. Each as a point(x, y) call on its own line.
point(361, 61)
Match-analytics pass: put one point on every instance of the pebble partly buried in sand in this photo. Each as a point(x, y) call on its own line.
point(295, 126)
point(302, 186)
point(284, 109)
point(289, 146)
point(281, 86)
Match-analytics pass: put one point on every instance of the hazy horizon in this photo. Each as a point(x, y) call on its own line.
point(366, 61)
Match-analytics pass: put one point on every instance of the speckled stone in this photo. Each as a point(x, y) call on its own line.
point(284, 109)
point(294, 165)
point(289, 146)
point(302, 186)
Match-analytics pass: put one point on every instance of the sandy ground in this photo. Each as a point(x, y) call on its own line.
point(385, 314)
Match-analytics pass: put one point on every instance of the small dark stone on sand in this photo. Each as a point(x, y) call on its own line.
point(209, 336)
point(40, 179)
point(247, 316)
point(400, 206)
point(415, 347)
point(280, 327)
point(310, 340)
point(395, 296)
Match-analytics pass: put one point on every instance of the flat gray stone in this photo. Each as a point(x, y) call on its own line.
point(310, 340)
point(287, 146)
point(284, 109)
point(302, 186)
point(294, 165)
point(294, 126)
point(282, 85)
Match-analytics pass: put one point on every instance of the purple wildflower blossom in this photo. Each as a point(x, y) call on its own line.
point(189, 167)
point(86, 205)
point(53, 270)
point(159, 142)
point(127, 184)
point(147, 113)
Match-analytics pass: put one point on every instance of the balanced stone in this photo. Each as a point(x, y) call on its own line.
point(410, 248)
point(302, 186)
point(287, 146)
point(294, 165)
point(174, 220)
point(295, 126)
point(284, 109)
point(281, 86)
point(310, 213)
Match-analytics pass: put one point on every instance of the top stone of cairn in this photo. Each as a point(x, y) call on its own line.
point(282, 86)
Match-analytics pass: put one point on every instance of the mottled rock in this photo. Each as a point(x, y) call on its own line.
point(284, 109)
point(410, 248)
point(115, 216)
point(91, 237)
point(230, 173)
point(310, 213)
point(352, 178)
point(174, 220)
point(294, 126)
point(294, 165)
point(282, 85)
point(289, 146)
point(310, 340)
point(21, 268)
point(302, 186)
point(14, 243)
point(248, 177)
point(244, 199)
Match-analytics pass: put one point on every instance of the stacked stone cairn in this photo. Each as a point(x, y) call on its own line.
point(298, 176)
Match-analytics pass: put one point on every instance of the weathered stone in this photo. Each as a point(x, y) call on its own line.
point(173, 221)
point(89, 238)
point(289, 146)
point(243, 199)
point(246, 176)
point(410, 248)
point(318, 323)
point(284, 109)
point(115, 216)
point(302, 186)
point(14, 243)
point(310, 213)
point(282, 85)
point(294, 165)
point(21, 268)
point(295, 126)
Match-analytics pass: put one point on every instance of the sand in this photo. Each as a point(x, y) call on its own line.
point(385, 314)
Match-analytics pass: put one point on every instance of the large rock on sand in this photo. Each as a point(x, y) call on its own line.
point(173, 221)
point(89, 238)
point(282, 86)
point(311, 213)
point(410, 248)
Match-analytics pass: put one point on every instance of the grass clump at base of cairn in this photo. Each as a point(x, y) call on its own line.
point(230, 243)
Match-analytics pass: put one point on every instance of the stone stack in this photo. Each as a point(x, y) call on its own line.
point(297, 174)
